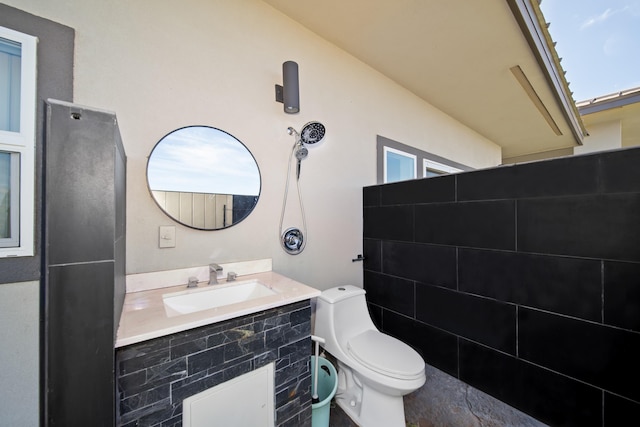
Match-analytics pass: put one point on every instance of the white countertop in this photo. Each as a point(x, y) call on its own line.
point(144, 316)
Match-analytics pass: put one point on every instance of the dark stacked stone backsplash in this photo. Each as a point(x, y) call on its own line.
point(155, 376)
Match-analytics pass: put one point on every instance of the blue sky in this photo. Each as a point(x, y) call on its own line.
point(201, 159)
point(599, 43)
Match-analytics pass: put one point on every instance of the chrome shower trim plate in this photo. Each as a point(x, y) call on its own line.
point(292, 241)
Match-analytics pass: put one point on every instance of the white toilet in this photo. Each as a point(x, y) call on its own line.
point(374, 369)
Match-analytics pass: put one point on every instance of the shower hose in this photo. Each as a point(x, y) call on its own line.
point(297, 234)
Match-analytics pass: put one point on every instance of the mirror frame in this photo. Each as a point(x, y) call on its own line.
point(190, 225)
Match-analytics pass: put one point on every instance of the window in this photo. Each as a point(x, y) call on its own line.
point(431, 168)
point(17, 142)
point(398, 165)
point(399, 162)
point(9, 196)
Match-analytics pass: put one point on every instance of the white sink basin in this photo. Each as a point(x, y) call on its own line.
point(213, 296)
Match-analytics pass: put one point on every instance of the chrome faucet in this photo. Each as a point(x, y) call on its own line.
point(214, 269)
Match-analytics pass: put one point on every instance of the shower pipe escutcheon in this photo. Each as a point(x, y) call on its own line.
point(293, 241)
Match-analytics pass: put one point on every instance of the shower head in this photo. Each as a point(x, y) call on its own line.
point(312, 133)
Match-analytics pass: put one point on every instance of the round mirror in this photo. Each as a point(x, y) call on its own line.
point(203, 177)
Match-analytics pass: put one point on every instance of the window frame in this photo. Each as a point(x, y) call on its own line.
point(23, 143)
point(439, 168)
point(438, 162)
point(13, 239)
point(386, 151)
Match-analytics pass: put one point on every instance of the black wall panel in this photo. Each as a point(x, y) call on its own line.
point(431, 264)
point(84, 259)
point(617, 175)
point(560, 177)
point(419, 191)
point(622, 294)
point(540, 281)
point(395, 293)
point(80, 187)
point(526, 281)
point(549, 396)
point(594, 226)
point(593, 353)
point(392, 223)
point(483, 320)
point(78, 295)
point(440, 348)
point(476, 224)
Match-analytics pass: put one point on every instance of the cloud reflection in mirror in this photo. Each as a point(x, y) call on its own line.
point(200, 162)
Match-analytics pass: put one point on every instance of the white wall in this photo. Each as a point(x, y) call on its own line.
point(602, 136)
point(19, 353)
point(161, 65)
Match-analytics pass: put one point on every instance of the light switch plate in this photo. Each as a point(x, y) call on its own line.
point(167, 236)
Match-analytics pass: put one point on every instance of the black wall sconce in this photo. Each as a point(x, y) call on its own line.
point(289, 92)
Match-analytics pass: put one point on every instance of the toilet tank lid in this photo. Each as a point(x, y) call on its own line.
point(340, 293)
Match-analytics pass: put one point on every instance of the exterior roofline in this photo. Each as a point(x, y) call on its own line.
point(534, 28)
point(607, 102)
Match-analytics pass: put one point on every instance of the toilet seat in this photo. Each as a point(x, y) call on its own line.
point(386, 355)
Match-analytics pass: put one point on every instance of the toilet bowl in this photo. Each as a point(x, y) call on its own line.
point(375, 370)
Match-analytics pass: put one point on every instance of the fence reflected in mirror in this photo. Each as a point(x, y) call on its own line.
point(203, 177)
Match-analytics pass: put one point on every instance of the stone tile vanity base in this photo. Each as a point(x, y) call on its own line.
point(155, 376)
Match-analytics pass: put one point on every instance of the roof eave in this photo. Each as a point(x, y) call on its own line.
point(533, 26)
point(607, 102)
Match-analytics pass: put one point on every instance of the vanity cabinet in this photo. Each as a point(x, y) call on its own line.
point(154, 376)
point(84, 263)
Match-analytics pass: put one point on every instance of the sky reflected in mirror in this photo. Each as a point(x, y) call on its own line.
point(202, 159)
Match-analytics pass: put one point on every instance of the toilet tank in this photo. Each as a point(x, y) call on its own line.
point(341, 313)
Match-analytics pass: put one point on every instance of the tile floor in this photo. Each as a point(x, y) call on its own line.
point(444, 401)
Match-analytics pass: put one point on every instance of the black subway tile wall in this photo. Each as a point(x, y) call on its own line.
point(590, 352)
point(431, 264)
point(539, 281)
point(394, 223)
point(438, 347)
point(155, 376)
point(555, 399)
point(622, 294)
point(485, 224)
point(616, 176)
point(538, 179)
point(394, 293)
point(557, 226)
point(483, 320)
point(522, 281)
point(418, 191)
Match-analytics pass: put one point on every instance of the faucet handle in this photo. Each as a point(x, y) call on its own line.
point(193, 282)
point(231, 276)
